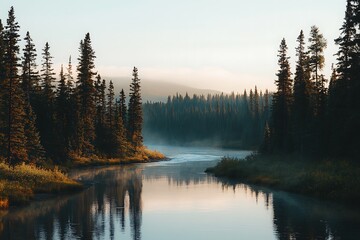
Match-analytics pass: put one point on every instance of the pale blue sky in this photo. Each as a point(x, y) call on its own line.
point(226, 45)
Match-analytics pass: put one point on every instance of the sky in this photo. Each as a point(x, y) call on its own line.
point(226, 45)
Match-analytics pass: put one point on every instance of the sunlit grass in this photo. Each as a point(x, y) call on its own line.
point(142, 154)
point(327, 179)
point(19, 184)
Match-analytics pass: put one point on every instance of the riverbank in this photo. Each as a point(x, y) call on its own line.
point(144, 155)
point(19, 185)
point(335, 180)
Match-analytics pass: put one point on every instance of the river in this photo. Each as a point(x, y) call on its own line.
point(176, 200)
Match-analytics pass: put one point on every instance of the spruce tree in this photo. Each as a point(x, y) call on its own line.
point(123, 108)
point(86, 93)
point(316, 63)
point(302, 111)
point(339, 111)
point(46, 110)
point(2, 79)
point(69, 79)
point(31, 88)
point(281, 103)
point(62, 115)
point(12, 111)
point(30, 77)
point(36, 152)
point(110, 116)
point(135, 118)
point(47, 74)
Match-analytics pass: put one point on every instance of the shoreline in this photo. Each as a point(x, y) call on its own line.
point(329, 180)
point(26, 183)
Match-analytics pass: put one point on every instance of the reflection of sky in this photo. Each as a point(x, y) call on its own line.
point(191, 205)
point(177, 201)
point(227, 45)
point(204, 211)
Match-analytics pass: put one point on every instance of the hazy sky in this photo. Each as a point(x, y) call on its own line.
point(226, 45)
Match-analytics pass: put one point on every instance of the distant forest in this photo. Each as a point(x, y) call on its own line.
point(226, 120)
point(45, 119)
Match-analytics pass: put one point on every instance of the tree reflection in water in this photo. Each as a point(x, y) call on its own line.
point(91, 214)
point(111, 207)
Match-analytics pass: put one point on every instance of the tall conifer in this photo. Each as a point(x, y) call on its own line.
point(135, 118)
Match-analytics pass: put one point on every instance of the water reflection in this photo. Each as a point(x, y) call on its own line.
point(176, 201)
point(96, 213)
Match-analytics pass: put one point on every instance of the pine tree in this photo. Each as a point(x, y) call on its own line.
point(2, 53)
point(281, 103)
point(302, 110)
point(30, 77)
point(316, 63)
point(36, 152)
point(12, 111)
point(69, 79)
point(62, 115)
point(45, 110)
point(47, 75)
point(123, 108)
point(31, 89)
point(121, 144)
point(86, 91)
point(340, 100)
point(2, 79)
point(100, 122)
point(135, 118)
point(110, 106)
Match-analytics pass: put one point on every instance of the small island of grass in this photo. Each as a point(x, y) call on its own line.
point(327, 179)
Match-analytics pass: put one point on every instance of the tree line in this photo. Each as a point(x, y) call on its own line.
point(230, 120)
point(307, 117)
point(44, 118)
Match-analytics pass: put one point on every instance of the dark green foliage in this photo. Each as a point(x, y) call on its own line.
point(281, 103)
point(123, 108)
point(63, 115)
point(12, 97)
point(323, 121)
point(110, 114)
point(224, 120)
point(302, 108)
point(45, 105)
point(30, 77)
point(344, 103)
point(86, 94)
point(135, 118)
point(36, 152)
point(75, 120)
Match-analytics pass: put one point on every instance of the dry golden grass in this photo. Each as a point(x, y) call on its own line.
point(142, 155)
point(18, 184)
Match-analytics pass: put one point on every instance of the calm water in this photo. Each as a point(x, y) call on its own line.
point(176, 200)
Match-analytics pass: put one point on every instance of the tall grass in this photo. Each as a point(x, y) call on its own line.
point(142, 154)
point(19, 184)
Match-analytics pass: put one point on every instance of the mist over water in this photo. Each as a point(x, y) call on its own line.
point(177, 200)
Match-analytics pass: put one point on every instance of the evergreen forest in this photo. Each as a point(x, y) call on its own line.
point(46, 119)
point(225, 120)
point(308, 114)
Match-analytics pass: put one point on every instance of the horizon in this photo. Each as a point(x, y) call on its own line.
point(190, 44)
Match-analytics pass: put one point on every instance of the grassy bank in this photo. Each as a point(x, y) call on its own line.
point(142, 155)
point(18, 185)
point(327, 179)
